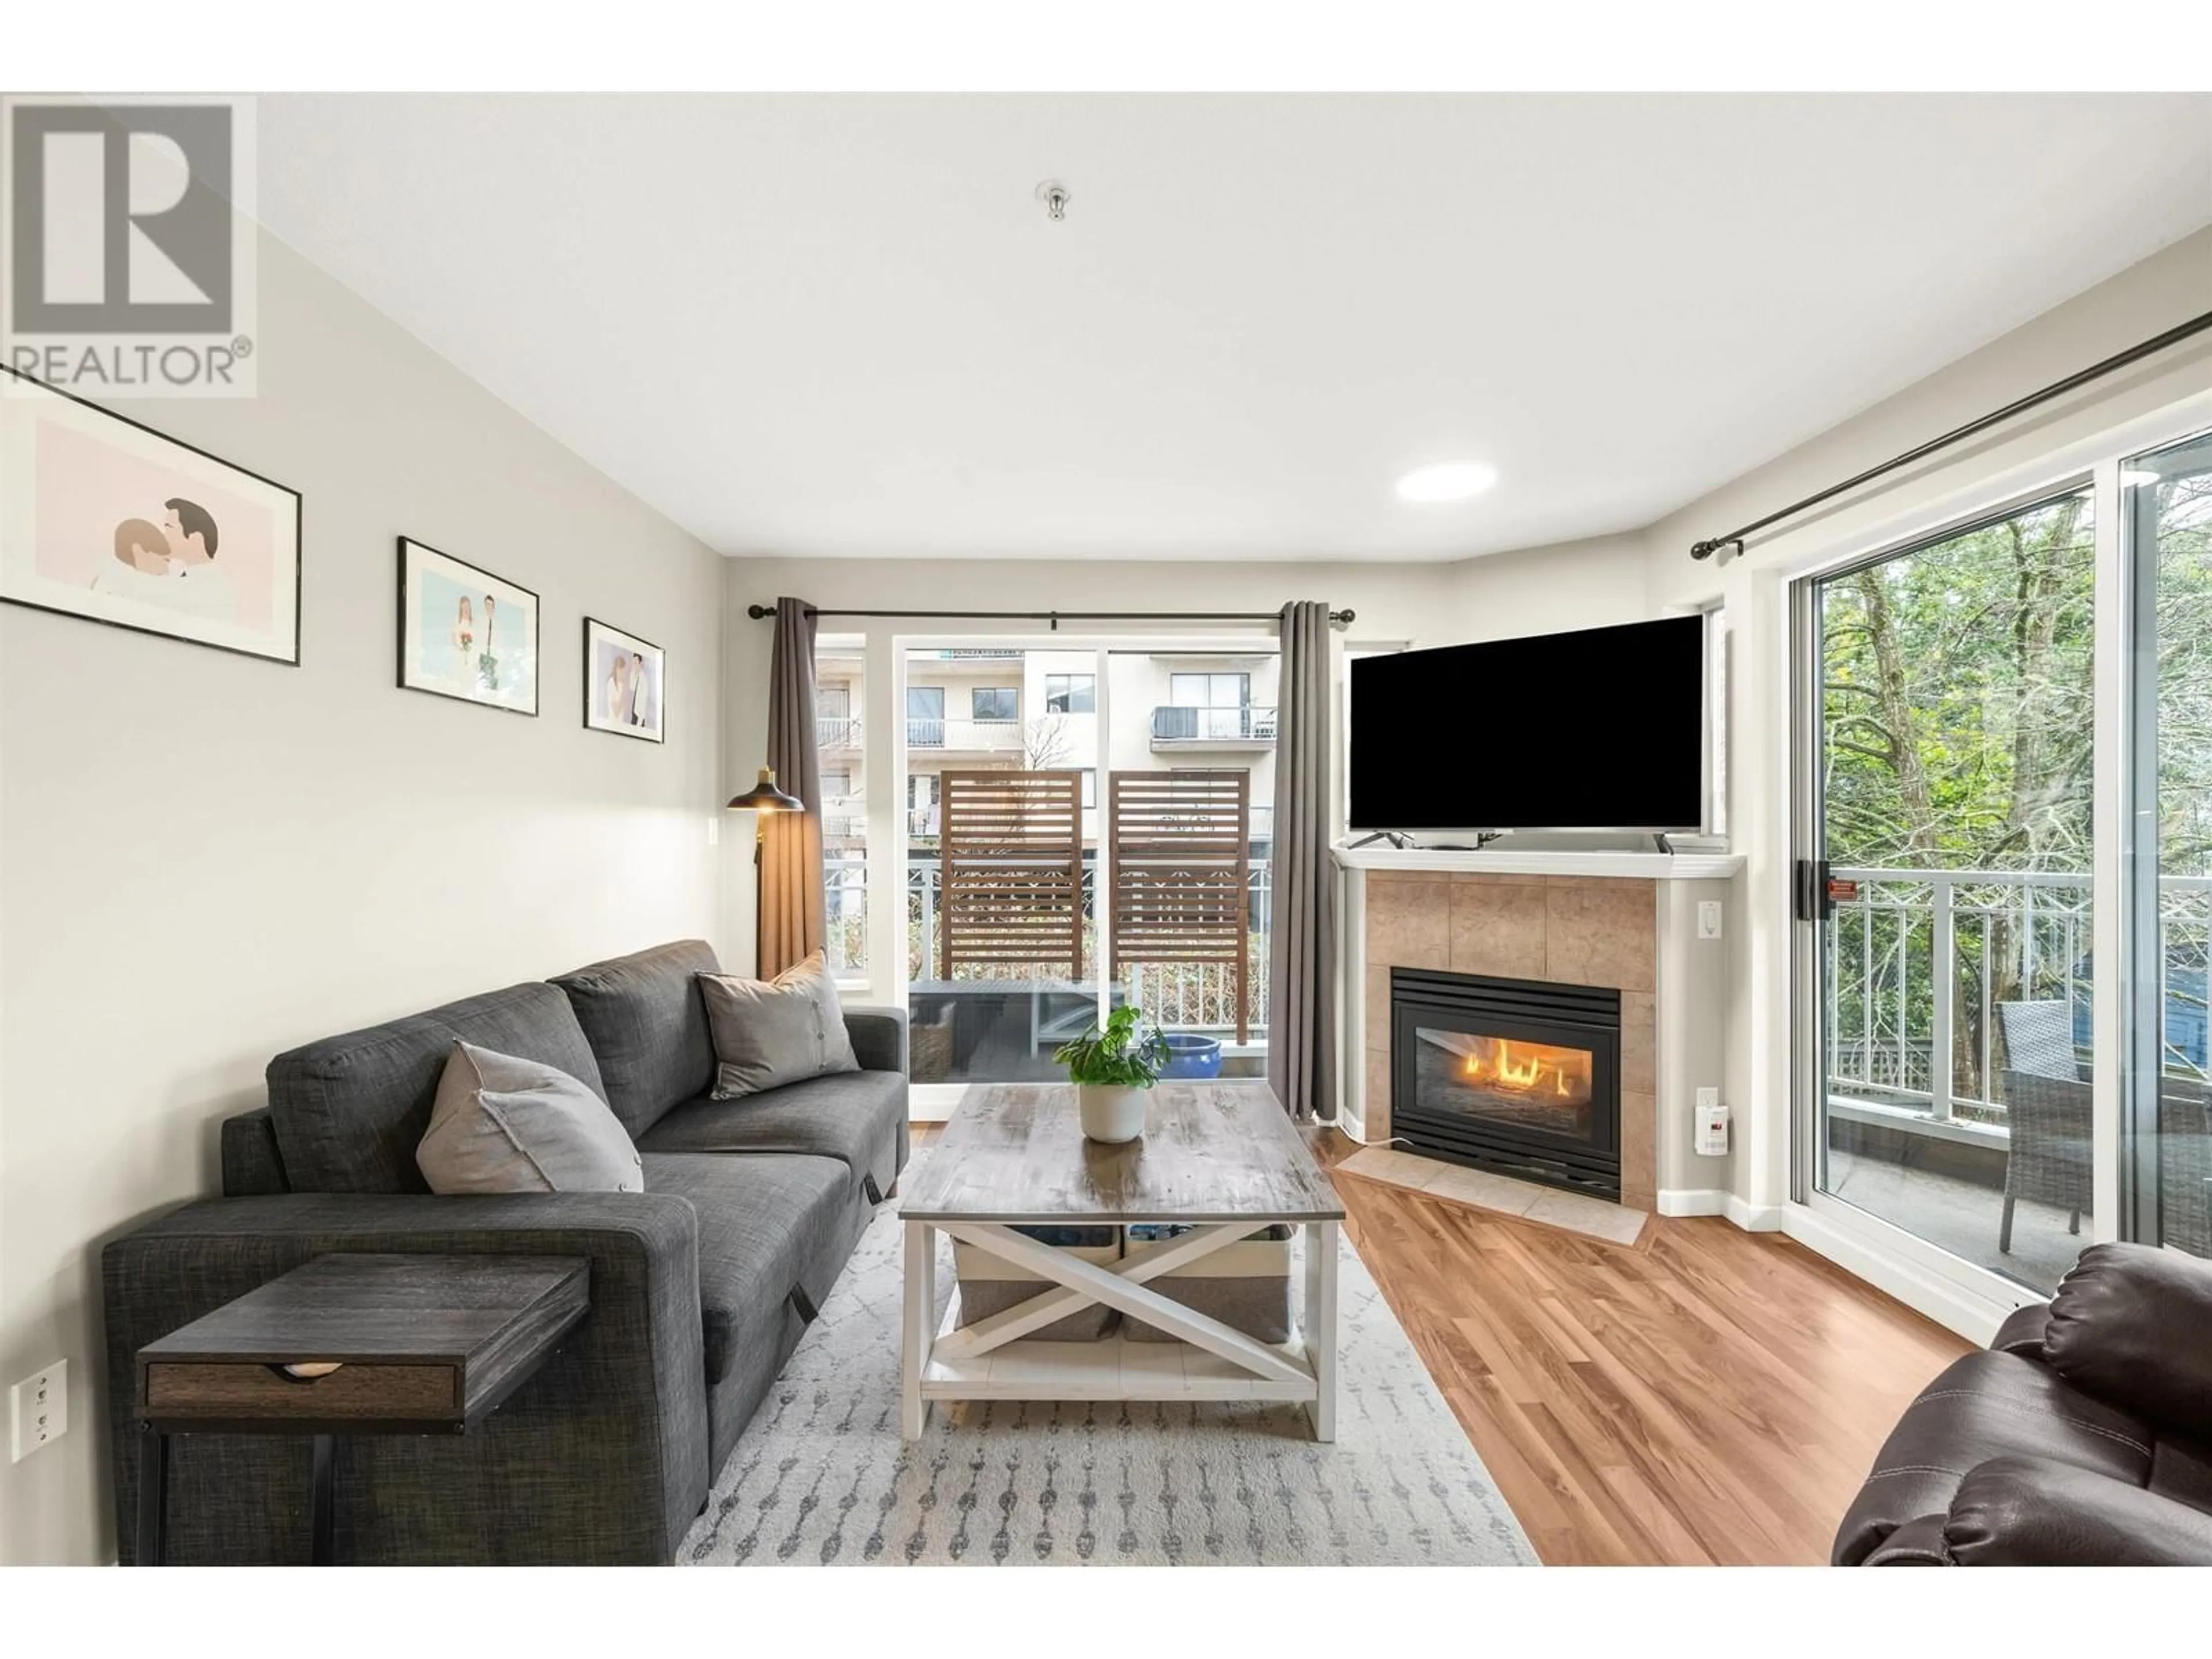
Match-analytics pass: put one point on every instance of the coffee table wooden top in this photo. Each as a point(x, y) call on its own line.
point(1211, 1152)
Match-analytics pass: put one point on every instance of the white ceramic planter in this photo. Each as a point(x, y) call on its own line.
point(1112, 1112)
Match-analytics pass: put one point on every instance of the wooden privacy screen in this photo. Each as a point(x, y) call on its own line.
point(1180, 854)
point(1011, 847)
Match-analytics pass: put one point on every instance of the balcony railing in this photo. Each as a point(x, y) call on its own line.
point(837, 731)
point(990, 736)
point(1183, 723)
point(1919, 960)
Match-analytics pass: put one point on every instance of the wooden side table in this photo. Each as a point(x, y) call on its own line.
point(378, 1344)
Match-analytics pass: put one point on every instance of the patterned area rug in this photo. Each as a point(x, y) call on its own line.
point(821, 1475)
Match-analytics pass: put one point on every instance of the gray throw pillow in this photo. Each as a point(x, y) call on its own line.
point(504, 1125)
point(770, 1032)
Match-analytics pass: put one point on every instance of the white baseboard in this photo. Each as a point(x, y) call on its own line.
point(1713, 1201)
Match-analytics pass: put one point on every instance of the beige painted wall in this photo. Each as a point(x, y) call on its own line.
point(2140, 302)
point(209, 858)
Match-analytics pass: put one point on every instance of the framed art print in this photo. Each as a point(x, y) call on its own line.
point(108, 521)
point(624, 682)
point(464, 633)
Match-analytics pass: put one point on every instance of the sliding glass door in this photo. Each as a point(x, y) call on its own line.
point(1957, 985)
point(1945, 880)
point(2167, 1165)
point(1084, 826)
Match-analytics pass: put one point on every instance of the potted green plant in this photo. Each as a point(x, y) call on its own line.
point(1114, 1067)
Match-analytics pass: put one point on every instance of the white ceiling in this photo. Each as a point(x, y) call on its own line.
point(844, 327)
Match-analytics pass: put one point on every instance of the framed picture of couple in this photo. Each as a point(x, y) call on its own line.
point(105, 520)
point(624, 685)
point(464, 633)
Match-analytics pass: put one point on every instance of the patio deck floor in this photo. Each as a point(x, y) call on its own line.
point(1960, 1215)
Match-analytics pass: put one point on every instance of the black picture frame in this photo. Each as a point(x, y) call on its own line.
point(298, 535)
point(658, 733)
point(402, 588)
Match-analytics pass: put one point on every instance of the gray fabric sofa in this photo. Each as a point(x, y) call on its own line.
point(701, 1285)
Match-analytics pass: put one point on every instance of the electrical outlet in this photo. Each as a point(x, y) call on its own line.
point(37, 1409)
point(1710, 1136)
point(1709, 918)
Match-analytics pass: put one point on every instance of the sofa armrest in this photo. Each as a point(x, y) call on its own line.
point(1918, 1543)
point(878, 1038)
point(2023, 1330)
point(600, 1457)
point(2032, 1513)
point(2128, 1326)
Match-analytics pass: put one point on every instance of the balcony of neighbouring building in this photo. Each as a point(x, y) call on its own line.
point(965, 737)
point(1182, 725)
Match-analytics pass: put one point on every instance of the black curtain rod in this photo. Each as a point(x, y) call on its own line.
point(1706, 549)
point(761, 612)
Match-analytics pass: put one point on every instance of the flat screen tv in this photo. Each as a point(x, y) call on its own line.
point(1602, 729)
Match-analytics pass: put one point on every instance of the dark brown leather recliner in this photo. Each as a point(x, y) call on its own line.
point(2082, 1436)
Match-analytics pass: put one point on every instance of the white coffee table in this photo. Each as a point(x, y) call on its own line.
point(1222, 1158)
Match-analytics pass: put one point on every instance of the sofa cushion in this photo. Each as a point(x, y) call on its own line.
point(762, 1222)
point(1985, 1405)
point(348, 1110)
point(503, 1125)
point(770, 1032)
point(646, 1022)
point(857, 1117)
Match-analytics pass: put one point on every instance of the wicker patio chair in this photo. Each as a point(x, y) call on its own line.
point(2184, 1165)
point(2047, 1107)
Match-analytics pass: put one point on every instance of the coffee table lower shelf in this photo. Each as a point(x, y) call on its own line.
point(993, 1359)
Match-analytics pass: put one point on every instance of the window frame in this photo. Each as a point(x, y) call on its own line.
point(977, 693)
point(1068, 685)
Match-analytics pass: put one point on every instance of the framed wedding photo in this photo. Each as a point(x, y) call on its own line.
point(624, 682)
point(464, 633)
point(108, 521)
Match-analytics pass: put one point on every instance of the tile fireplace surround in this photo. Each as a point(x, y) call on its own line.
point(1625, 921)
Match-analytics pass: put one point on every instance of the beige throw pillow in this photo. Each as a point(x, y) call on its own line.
point(770, 1032)
point(504, 1125)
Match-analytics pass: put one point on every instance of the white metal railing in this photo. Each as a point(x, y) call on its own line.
point(844, 907)
point(1186, 723)
point(1918, 961)
point(931, 733)
point(837, 731)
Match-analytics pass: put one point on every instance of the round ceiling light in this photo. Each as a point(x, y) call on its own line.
point(1446, 481)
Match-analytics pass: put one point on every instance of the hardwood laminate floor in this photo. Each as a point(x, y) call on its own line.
point(1702, 1395)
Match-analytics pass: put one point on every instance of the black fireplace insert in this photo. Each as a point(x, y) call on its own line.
point(1521, 1076)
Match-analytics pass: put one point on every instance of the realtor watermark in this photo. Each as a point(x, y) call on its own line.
point(127, 244)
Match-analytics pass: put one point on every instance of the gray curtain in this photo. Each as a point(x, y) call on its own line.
point(1302, 967)
point(791, 922)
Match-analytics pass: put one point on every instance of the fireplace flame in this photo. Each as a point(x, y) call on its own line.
point(1530, 1068)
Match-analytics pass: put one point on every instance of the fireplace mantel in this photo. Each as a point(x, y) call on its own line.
point(1638, 867)
point(1624, 920)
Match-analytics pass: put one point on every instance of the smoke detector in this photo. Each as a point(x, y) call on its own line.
point(1054, 195)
